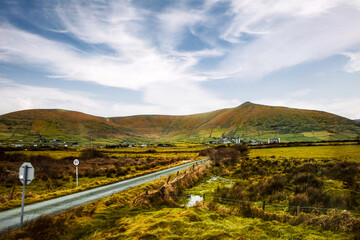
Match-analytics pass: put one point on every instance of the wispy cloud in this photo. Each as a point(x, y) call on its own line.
point(20, 97)
point(121, 44)
point(339, 106)
point(289, 33)
point(300, 93)
point(354, 63)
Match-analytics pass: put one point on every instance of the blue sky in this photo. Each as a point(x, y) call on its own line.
point(120, 58)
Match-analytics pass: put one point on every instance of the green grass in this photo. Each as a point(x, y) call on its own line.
point(40, 190)
point(342, 152)
point(200, 223)
point(114, 218)
point(57, 154)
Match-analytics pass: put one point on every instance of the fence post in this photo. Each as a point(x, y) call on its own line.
point(263, 206)
point(289, 207)
point(12, 193)
point(204, 198)
point(297, 210)
point(177, 173)
point(168, 179)
point(162, 191)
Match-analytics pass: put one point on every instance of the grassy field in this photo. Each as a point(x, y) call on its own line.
point(116, 217)
point(321, 176)
point(55, 173)
point(143, 153)
point(341, 152)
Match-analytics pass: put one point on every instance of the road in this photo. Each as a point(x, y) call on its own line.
point(10, 219)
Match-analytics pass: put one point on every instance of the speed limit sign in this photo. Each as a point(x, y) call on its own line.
point(76, 162)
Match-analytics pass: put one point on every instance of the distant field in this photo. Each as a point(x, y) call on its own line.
point(342, 152)
point(171, 152)
point(58, 154)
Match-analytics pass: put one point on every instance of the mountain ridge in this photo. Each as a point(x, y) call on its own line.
point(248, 121)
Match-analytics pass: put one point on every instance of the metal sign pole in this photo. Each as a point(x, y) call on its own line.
point(77, 178)
point(76, 163)
point(23, 197)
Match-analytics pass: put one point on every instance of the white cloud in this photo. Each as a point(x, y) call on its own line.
point(140, 69)
point(19, 97)
point(185, 98)
point(173, 23)
point(354, 64)
point(345, 107)
point(159, 99)
point(300, 93)
point(289, 33)
point(260, 17)
point(141, 49)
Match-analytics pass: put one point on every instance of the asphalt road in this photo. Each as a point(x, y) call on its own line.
point(10, 219)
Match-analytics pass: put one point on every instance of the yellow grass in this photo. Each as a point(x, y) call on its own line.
point(342, 152)
point(54, 154)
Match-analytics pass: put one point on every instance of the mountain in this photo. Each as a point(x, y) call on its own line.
point(248, 121)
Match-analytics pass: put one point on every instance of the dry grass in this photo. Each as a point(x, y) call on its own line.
point(167, 194)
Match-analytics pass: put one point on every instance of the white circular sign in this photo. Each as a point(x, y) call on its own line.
point(76, 162)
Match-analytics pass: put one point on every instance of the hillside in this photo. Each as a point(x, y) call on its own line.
point(248, 121)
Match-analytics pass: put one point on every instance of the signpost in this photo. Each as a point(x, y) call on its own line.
point(76, 163)
point(26, 175)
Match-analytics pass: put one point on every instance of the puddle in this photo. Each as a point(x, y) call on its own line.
point(195, 194)
point(218, 179)
point(193, 199)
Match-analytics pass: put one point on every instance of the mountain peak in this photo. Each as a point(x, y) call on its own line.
point(247, 103)
point(249, 120)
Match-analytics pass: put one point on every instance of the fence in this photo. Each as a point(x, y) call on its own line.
point(264, 204)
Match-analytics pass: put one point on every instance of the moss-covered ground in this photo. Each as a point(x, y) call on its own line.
point(116, 217)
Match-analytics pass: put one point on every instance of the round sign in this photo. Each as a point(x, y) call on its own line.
point(76, 162)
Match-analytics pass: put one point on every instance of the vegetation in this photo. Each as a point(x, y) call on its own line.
point(342, 152)
point(248, 121)
point(303, 189)
point(55, 172)
point(117, 217)
point(236, 185)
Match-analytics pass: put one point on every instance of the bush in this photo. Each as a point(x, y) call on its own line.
point(305, 180)
point(44, 227)
point(334, 221)
point(91, 153)
point(226, 156)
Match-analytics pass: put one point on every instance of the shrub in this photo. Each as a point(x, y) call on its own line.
point(44, 227)
point(300, 199)
point(91, 153)
point(305, 180)
point(334, 221)
point(206, 152)
point(226, 156)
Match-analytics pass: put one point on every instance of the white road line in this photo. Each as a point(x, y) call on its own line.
point(10, 219)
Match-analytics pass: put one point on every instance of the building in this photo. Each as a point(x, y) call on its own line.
point(273, 140)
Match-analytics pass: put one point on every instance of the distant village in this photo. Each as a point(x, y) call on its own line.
point(239, 140)
point(130, 144)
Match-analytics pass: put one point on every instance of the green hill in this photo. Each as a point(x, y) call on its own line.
point(248, 121)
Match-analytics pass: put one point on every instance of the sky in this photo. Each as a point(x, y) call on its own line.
point(122, 58)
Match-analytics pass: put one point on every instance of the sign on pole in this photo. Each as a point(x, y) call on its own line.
point(26, 175)
point(27, 170)
point(76, 163)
